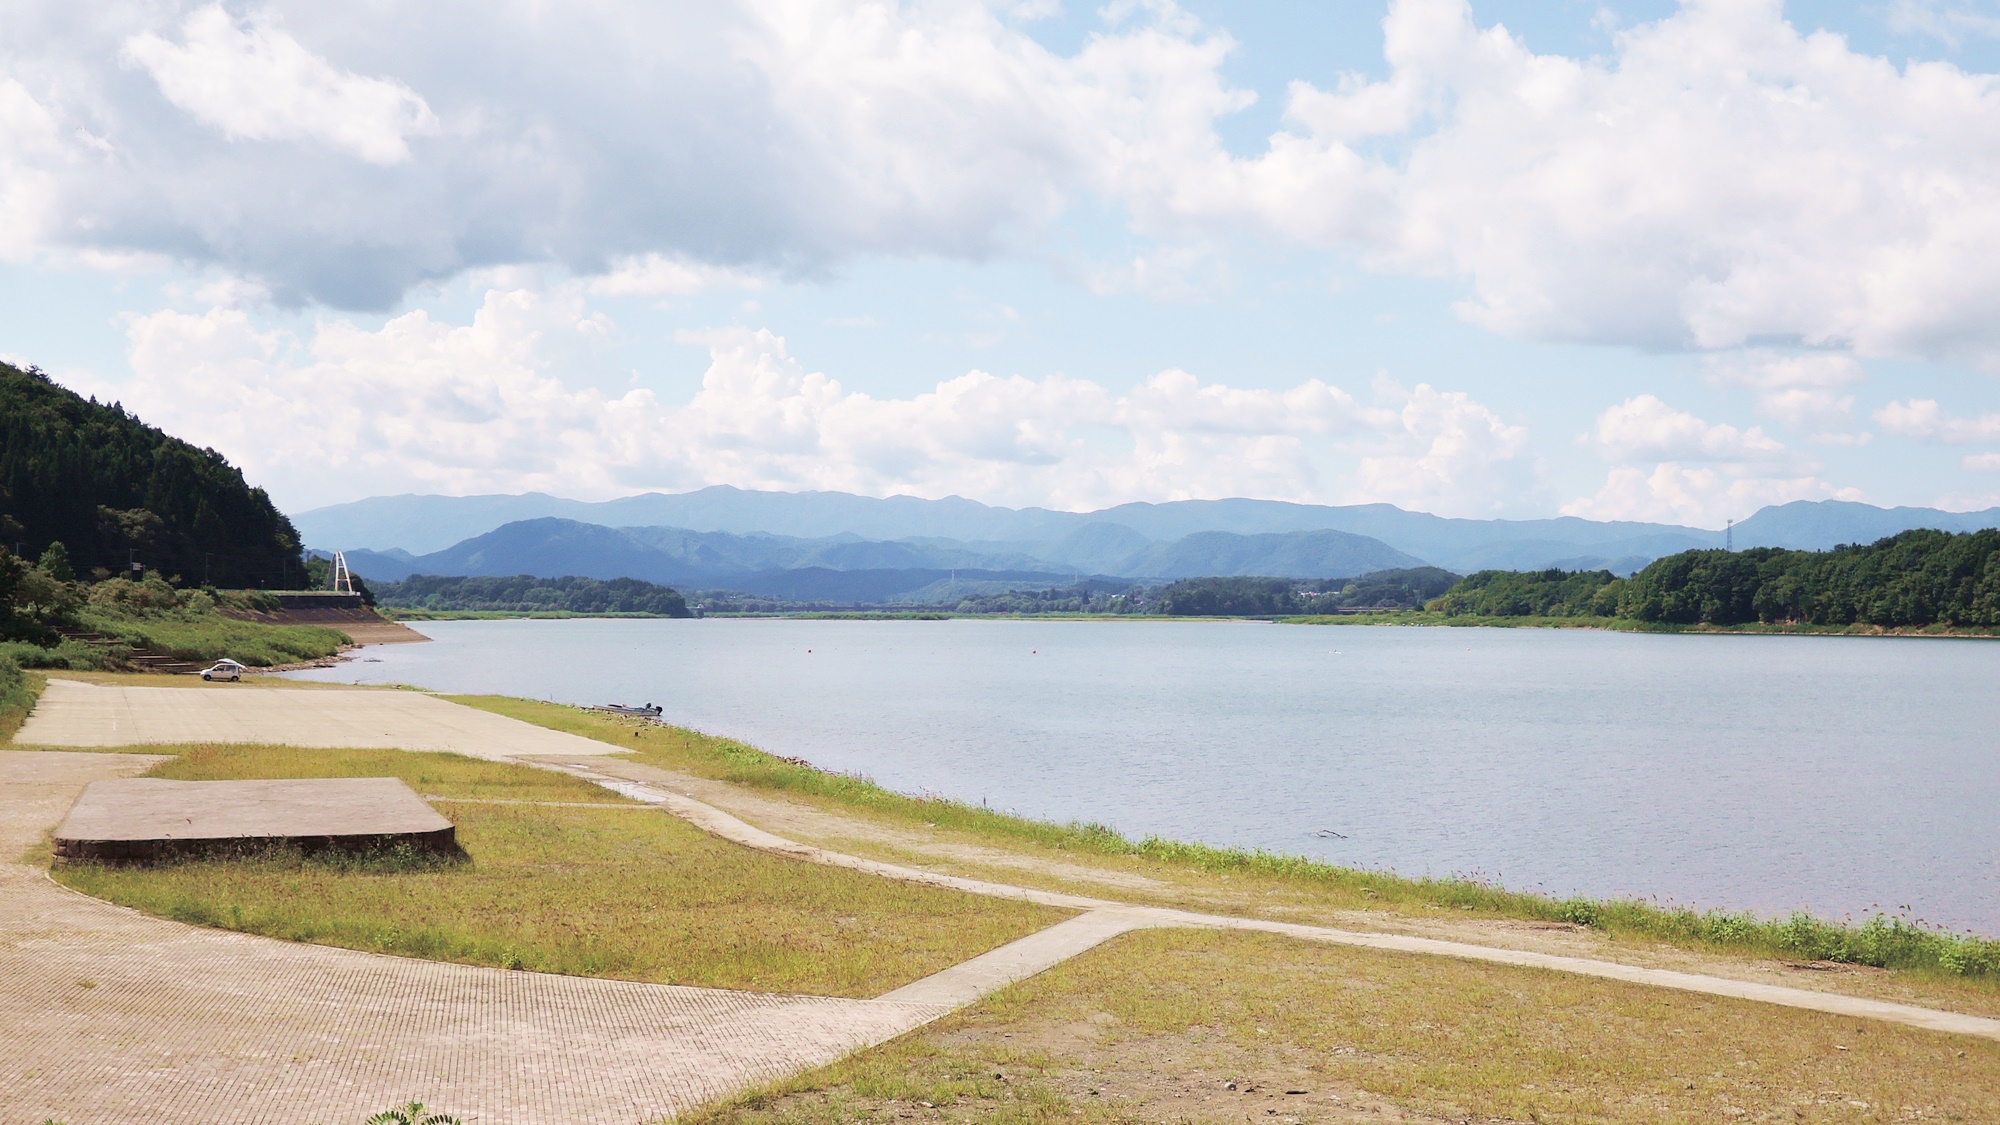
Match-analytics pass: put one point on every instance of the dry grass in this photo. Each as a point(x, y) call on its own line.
point(962, 839)
point(621, 891)
point(1153, 1028)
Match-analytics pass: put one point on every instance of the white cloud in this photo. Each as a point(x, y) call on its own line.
point(1950, 22)
point(1700, 496)
point(1447, 454)
point(30, 144)
point(1716, 178)
point(1982, 462)
point(1672, 466)
point(1924, 419)
point(525, 396)
point(1643, 428)
point(656, 275)
point(1801, 391)
point(254, 82)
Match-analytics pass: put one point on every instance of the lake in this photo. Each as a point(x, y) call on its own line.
point(1841, 775)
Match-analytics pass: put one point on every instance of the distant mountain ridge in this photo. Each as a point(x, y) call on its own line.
point(722, 530)
point(832, 568)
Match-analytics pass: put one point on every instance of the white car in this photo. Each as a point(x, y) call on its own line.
point(224, 669)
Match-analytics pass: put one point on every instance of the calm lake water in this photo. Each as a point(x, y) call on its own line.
point(1839, 775)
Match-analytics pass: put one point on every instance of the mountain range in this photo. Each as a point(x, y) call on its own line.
point(731, 538)
point(850, 568)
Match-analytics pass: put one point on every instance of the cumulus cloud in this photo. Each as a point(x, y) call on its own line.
point(525, 396)
point(1643, 428)
point(255, 82)
point(1924, 419)
point(1699, 495)
point(1801, 391)
point(1671, 466)
point(1718, 177)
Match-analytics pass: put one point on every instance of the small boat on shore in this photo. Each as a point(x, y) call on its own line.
point(648, 710)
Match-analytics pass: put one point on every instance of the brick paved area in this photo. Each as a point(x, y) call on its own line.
point(113, 1016)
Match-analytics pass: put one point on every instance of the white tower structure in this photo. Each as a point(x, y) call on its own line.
point(343, 579)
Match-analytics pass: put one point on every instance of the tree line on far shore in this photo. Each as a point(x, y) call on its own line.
point(1407, 588)
point(1912, 580)
point(523, 593)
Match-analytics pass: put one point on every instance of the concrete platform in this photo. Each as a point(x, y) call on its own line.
point(147, 818)
point(76, 714)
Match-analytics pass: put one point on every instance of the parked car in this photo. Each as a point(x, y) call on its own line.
point(224, 669)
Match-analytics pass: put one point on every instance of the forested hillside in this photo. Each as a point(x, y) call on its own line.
point(526, 594)
point(111, 489)
point(1916, 579)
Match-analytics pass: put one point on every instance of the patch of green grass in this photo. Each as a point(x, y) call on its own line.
point(196, 635)
point(1151, 1027)
point(18, 691)
point(1881, 942)
point(621, 890)
point(63, 654)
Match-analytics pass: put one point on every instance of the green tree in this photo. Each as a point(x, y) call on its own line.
point(55, 562)
point(107, 485)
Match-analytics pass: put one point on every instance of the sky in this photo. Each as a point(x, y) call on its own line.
point(1511, 259)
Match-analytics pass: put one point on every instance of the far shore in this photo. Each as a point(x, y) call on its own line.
point(1412, 618)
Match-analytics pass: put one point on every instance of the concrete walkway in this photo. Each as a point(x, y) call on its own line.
point(76, 714)
point(115, 1016)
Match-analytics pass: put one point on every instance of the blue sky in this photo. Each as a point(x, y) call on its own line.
point(1641, 261)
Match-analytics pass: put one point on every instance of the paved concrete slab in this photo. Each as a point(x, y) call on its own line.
point(75, 714)
point(153, 818)
point(116, 1017)
point(967, 981)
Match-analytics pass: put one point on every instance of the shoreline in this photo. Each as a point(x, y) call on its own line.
point(1406, 618)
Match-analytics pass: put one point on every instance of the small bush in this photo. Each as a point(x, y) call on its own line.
point(17, 696)
point(1580, 912)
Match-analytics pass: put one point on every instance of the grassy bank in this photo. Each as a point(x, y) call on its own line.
point(202, 635)
point(1880, 942)
point(615, 889)
point(18, 691)
point(1218, 1027)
